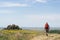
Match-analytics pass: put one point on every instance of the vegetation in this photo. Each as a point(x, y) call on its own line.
point(55, 31)
point(25, 35)
point(12, 34)
point(17, 34)
point(13, 27)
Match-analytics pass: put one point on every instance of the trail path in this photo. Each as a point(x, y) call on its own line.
point(50, 37)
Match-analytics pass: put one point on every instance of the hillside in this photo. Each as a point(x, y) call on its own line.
point(17, 34)
point(50, 37)
point(27, 35)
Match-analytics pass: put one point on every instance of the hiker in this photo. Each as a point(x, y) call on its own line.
point(46, 28)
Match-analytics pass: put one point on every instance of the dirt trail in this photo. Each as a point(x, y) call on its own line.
point(50, 37)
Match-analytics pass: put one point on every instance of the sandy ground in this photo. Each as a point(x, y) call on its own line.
point(49, 37)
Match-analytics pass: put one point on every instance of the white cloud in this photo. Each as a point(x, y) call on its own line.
point(41, 1)
point(6, 11)
point(52, 17)
point(10, 4)
point(32, 20)
point(40, 20)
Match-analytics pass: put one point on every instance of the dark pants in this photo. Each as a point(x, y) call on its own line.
point(47, 30)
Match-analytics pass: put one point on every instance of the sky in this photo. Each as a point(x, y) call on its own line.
point(30, 13)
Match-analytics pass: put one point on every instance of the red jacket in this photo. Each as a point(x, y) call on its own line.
point(46, 26)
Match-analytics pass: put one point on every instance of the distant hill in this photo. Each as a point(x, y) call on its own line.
point(40, 28)
point(32, 28)
point(37, 28)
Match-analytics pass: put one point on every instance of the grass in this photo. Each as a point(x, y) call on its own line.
point(17, 34)
point(26, 34)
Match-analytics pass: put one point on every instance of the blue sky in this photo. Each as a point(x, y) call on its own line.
point(30, 13)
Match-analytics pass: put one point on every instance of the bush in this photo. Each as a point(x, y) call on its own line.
point(13, 27)
point(55, 31)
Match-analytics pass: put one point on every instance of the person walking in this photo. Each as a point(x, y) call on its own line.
point(47, 28)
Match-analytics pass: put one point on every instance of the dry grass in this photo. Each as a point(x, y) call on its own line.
point(27, 35)
point(50, 37)
point(17, 34)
